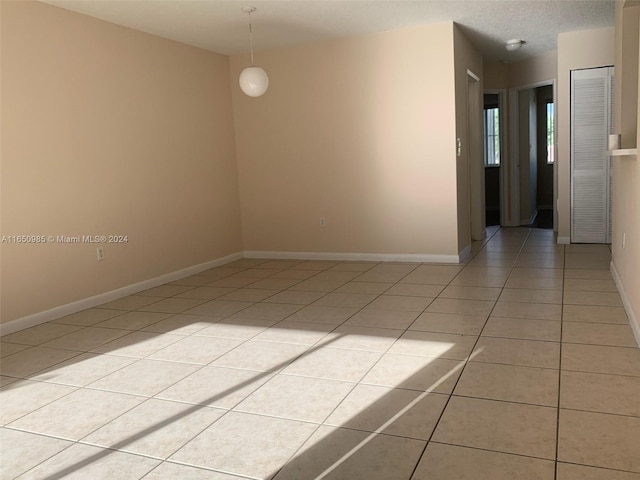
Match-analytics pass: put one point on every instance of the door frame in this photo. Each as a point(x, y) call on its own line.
point(504, 183)
point(514, 153)
point(609, 76)
point(475, 157)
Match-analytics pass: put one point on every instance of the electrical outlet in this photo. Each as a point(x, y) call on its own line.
point(323, 222)
point(624, 239)
point(100, 253)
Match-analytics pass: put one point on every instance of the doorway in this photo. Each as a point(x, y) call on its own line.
point(493, 116)
point(532, 159)
point(542, 159)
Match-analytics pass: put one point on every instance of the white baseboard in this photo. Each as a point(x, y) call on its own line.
point(633, 319)
point(564, 240)
point(357, 257)
point(90, 302)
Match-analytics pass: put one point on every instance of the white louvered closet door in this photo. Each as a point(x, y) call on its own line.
point(590, 166)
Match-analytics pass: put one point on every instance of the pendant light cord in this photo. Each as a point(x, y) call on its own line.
point(250, 38)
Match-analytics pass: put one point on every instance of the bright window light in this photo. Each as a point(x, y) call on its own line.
point(550, 134)
point(492, 137)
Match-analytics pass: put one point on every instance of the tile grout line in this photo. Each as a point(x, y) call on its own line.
point(372, 366)
point(564, 267)
point(315, 345)
point(117, 448)
point(359, 382)
point(146, 398)
point(450, 395)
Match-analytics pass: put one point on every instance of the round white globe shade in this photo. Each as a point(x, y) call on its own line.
point(254, 81)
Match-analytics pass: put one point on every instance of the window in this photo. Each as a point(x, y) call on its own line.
point(491, 137)
point(550, 149)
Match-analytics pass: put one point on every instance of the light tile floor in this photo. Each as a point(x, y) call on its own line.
point(518, 364)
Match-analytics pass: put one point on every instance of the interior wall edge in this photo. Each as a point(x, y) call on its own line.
point(93, 301)
point(634, 320)
point(465, 253)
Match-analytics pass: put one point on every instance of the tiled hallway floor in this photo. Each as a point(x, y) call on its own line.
point(519, 364)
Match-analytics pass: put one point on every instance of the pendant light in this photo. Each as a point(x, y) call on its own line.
point(254, 81)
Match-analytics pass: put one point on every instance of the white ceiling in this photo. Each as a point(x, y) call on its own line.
point(221, 26)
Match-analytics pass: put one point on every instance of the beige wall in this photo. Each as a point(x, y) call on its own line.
point(630, 28)
point(495, 76)
point(106, 130)
point(626, 178)
point(576, 50)
point(534, 70)
point(523, 73)
point(360, 131)
point(469, 129)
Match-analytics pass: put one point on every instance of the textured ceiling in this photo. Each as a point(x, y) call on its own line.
point(221, 26)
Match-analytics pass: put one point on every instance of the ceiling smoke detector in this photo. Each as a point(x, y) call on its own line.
point(514, 44)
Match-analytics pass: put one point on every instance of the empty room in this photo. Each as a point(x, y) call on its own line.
point(376, 240)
